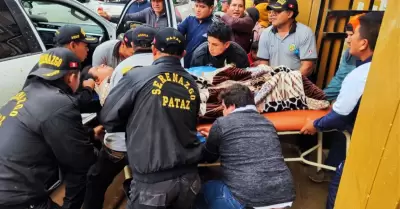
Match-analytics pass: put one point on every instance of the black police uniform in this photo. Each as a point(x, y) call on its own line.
point(157, 106)
point(109, 162)
point(41, 133)
point(65, 35)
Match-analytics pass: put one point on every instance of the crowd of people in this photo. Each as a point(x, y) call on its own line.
point(148, 111)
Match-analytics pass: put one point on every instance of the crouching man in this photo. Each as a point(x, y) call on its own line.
point(254, 171)
point(41, 133)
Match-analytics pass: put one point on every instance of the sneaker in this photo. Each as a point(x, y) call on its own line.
point(321, 176)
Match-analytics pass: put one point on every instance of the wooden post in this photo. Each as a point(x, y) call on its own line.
point(371, 178)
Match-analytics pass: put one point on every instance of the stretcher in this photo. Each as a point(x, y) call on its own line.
point(290, 123)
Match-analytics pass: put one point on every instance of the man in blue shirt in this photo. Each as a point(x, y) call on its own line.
point(347, 63)
point(195, 27)
point(344, 111)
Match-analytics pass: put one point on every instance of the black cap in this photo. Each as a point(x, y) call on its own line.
point(281, 5)
point(69, 33)
point(55, 63)
point(142, 36)
point(169, 40)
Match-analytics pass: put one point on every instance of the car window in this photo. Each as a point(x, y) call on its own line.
point(58, 15)
point(12, 42)
point(118, 1)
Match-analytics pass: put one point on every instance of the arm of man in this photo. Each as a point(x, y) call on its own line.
point(263, 49)
point(243, 24)
point(211, 148)
point(118, 106)
point(138, 16)
point(183, 26)
point(241, 60)
point(349, 97)
point(307, 67)
point(308, 53)
point(199, 56)
point(86, 102)
point(65, 135)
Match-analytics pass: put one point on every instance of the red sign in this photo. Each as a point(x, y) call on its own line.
point(73, 64)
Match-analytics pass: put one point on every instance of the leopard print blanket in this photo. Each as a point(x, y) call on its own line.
point(275, 89)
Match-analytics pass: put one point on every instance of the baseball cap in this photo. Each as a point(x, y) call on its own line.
point(169, 40)
point(68, 33)
point(281, 5)
point(55, 63)
point(142, 35)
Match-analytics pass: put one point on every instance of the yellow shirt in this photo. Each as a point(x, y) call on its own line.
point(249, 3)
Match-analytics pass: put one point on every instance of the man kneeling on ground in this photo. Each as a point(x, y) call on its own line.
point(254, 171)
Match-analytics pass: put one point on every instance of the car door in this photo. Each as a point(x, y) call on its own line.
point(49, 15)
point(20, 48)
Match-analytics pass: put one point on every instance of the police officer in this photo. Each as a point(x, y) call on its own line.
point(41, 133)
point(111, 159)
point(74, 38)
point(157, 106)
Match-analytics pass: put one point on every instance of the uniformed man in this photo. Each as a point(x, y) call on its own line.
point(41, 133)
point(142, 38)
point(157, 106)
point(287, 42)
point(74, 38)
point(112, 158)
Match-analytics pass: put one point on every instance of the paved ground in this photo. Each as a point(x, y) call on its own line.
point(308, 194)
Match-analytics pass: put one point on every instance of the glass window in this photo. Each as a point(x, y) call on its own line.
point(12, 42)
point(118, 1)
point(58, 15)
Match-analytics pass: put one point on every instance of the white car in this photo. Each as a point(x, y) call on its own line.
point(27, 28)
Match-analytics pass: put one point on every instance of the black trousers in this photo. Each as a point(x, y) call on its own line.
point(179, 193)
point(46, 204)
point(100, 176)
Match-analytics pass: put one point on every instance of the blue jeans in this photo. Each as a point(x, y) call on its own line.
point(334, 186)
point(216, 195)
point(337, 153)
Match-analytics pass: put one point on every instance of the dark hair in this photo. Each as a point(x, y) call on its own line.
point(256, 2)
point(206, 2)
point(370, 24)
point(174, 50)
point(253, 13)
point(349, 27)
point(220, 31)
point(254, 46)
point(238, 95)
point(85, 73)
point(244, 2)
